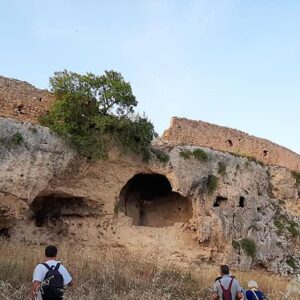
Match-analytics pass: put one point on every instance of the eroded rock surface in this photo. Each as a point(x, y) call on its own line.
point(213, 206)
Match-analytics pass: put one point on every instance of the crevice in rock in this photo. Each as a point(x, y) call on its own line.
point(149, 200)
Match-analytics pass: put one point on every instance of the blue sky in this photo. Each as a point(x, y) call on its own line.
point(233, 63)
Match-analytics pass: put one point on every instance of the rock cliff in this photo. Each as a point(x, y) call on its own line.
point(200, 205)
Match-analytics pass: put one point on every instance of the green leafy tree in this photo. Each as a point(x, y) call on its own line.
point(96, 112)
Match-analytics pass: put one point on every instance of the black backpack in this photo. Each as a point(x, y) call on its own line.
point(53, 284)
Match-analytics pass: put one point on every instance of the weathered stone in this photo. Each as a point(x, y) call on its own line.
point(219, 205)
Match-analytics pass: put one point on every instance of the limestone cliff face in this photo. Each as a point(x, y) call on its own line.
point(212, 207)
point(30, 156)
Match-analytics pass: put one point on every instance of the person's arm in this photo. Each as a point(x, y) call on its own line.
point(35, 289)
point(68, 280)
point(71, 283)
point(239, 294)
point(215, 295)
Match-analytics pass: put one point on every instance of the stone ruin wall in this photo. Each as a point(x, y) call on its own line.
point(187, 132)
point(22, 101)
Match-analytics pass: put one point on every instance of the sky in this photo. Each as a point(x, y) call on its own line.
point(229, 62)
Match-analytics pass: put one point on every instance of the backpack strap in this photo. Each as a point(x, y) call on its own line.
point(44, 264)
point(254, 295)
point(229, 288)
point(57, 266)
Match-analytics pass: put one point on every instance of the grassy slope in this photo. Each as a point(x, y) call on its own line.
point(113, 273)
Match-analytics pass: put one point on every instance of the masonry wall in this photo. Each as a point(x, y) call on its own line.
point(22, 101)
point(187, 132)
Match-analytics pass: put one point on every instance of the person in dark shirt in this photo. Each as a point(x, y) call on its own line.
point(253, 293)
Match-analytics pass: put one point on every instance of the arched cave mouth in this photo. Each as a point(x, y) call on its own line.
point(149, 200)
point(50, 209)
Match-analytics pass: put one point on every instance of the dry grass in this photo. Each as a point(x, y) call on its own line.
point(113, 273)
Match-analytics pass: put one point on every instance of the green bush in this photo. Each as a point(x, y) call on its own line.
point(212, 183)
point(97, 112)
point(249, 247)
point(221, 168)
point(161, 155)
point(293, 228)
point(296, 175)
point(282, 223)
point(186, 154)
point(291, 262)
point(200, 154)
point(17, 139)
point(236, 244)
point(279, 225)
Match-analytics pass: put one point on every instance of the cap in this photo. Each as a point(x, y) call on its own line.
point(252, 284)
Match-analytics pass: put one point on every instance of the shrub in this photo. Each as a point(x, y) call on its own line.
point(161, 155)
point(117, 207)
point(293, 228)
point(212, 183)
point(235, 244)
point(291, 262)
point(17, 139)
point(249, 247)
point(296, 175)
point(279, 225)
point(97, 112)
point(221, 168)
point(200, 154)
point(186, 154)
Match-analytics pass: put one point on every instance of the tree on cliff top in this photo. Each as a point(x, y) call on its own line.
point(97, 112)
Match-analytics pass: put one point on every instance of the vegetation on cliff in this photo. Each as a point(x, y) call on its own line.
point(96, 112)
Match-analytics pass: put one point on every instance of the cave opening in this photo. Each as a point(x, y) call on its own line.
point(149, 200)
point(219, 200)
point(4, 232)
point(229, 143)
point(50, 209)
point(242, 201)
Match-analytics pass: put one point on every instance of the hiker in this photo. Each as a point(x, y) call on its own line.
point(226, 287)
point(253, 293)
point(50, 277)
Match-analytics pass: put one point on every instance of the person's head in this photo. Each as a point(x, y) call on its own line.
point(50, 251)
point(224, 270)
point(252, 285)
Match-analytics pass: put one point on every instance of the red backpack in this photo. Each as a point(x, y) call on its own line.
point(227, 293)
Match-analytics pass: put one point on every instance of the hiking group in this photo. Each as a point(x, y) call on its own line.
point(227, 287)
point(51, 278)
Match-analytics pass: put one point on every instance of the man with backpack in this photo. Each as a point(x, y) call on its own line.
point(226, 287)
point(50, 277)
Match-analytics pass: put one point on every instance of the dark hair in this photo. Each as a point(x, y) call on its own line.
point(50, 251)
point(225, 269)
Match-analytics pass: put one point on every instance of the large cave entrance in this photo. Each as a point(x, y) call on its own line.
point(50, 209)
point(149, 200)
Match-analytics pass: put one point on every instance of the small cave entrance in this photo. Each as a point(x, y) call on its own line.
point(242, 201)
point(4, 233)
point(219, 201)
point(149, 200)
point(50, 209)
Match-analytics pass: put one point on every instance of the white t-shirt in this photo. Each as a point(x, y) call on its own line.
point(40, 272)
